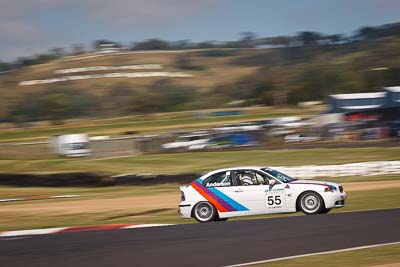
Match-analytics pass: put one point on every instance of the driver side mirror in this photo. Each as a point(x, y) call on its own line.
point(271, 182)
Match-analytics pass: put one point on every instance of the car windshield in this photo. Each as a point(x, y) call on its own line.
point(284, 178)
point(78, 146)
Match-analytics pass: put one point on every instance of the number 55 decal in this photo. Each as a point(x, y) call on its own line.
point(274, 200)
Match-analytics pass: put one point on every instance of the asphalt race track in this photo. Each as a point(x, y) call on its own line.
point(212, 244)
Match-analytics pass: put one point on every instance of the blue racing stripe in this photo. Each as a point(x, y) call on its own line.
point(230, 201)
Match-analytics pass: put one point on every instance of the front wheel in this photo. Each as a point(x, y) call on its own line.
point(204, 212)
point(324, 211)
point(311, 203)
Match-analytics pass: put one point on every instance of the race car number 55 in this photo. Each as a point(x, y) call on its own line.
point(274, 200)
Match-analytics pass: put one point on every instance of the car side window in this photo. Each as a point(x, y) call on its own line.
point(249, 177)
point(219, 179)
point(262, 180)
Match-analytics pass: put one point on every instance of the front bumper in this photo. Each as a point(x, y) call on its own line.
point(334, 199)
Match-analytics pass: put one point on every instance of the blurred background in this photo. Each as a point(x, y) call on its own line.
point(119, 102)
point(282, 79)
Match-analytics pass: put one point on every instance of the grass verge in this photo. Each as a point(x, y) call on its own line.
point(88, 192)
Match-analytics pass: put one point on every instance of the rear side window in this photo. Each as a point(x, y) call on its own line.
point(219, 179)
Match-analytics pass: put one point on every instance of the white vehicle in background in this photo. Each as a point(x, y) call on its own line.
point(244, 126)
point(242, 191)
point(284, 121)
point(99, 138)
point(291, 122)
point(190, 142)
point(302, 137)
point(71, 145)
point(280, 132)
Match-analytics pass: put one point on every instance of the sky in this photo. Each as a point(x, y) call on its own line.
point(28, 27)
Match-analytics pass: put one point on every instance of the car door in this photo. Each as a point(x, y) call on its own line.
point(220, 191)
point(260, 196)
point(250, 190)
point(277, 198)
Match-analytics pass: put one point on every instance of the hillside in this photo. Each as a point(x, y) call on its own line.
point(211, 70)
point(208, 78)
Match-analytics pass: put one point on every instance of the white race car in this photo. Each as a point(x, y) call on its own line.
point(225, 193)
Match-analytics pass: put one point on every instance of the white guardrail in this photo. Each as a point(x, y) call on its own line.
point(350, 169)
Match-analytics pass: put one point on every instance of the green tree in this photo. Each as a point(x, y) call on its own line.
point(185, 62)
point(26, 108)
point(146, 102)
point(151, 44)
point(5, 67)
point(117, 98)
point(366, 33)
point(247, 39)
point(56, 105)
point(309, 38)
point(175, 97)
point(279, 40)
point(315, 85)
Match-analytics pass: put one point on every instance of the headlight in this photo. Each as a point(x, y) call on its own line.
point(330, 189)
point(182, 196)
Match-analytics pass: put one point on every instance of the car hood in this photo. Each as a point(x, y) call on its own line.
point(313, 182)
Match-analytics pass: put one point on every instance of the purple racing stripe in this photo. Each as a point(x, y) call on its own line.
point(214, 197)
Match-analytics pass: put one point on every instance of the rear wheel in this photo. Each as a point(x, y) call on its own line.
point(204, 212)
point(311, 203)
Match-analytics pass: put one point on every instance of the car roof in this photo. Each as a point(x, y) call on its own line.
point(239, 168)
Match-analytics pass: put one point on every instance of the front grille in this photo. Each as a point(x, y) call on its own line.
point(339, 203)
point(341, 189)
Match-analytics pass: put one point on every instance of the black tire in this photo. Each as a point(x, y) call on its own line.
point(220, 219)
point(324, 211)
point(310, 203)
point(204, 212)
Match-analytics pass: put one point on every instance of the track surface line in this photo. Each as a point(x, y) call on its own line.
point(312, 254)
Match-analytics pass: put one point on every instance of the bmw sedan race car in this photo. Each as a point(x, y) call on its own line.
point(225, 193)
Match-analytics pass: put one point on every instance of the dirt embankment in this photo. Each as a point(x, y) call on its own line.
point(366, 186)
point(134, 203)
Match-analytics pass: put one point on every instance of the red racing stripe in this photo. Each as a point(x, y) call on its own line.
point(216, 204)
